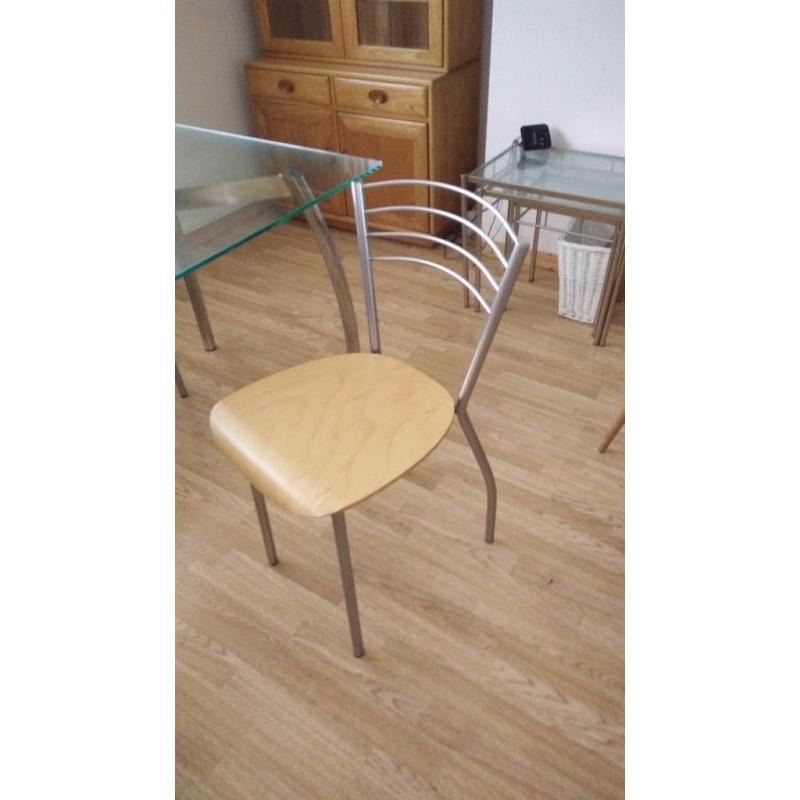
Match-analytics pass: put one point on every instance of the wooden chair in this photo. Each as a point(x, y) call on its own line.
point(612, 431)
point(321, 437)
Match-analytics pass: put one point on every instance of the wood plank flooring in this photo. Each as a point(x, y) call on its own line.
point(492, 671)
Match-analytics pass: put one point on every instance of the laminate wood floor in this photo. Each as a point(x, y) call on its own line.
point(491, 671)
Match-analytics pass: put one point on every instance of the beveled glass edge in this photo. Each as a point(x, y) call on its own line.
point(189, 269)
point(259, 140)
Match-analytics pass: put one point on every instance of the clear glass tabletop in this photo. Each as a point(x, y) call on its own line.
point(586, 178)
point(230, 188)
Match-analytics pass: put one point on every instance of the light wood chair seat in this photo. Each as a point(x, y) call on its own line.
point(325, 435)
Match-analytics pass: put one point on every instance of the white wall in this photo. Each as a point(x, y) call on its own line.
point(561, 62)
point(213, 38)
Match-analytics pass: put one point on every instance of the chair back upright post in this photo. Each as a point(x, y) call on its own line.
point(502, 289)
point(365, 263)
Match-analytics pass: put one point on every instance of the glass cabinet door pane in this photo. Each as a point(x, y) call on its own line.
point(393, 23)
point(300, 19)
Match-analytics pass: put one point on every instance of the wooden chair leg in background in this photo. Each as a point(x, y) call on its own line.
point(613, 431)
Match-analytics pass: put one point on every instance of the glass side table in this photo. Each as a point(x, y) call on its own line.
point(572, 183)
point(231, 188)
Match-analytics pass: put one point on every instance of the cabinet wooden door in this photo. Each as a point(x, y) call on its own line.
point(304, 27)
point(303, 125)
point(404, 31)
point(403, 148)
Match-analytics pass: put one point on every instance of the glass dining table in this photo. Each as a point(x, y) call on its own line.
point(572, 183)
point(231, 188)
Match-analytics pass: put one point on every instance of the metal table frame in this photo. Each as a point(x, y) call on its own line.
point(522, 199)
point(297, 188)
point(243, 201)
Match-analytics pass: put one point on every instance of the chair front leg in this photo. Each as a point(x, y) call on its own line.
point(486, 470)
point(348, 584)
point(266, 529)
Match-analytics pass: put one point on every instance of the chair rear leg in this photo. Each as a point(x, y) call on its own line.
point(486, 470)
point(348, 584)
point(266, 529)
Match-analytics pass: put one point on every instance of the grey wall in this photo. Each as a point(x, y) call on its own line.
point(212, 40)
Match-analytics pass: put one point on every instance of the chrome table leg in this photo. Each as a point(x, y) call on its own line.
point(179, 383)
point(302, 192)
point(200, 313)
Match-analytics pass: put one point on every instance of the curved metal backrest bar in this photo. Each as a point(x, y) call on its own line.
point(449, 214)
point(457, 247)
point(449, 187)
point(465, 283)
point(496, 309)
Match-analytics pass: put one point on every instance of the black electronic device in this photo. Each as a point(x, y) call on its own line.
point(535, 137)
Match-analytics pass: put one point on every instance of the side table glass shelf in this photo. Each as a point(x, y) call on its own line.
point(572, 183)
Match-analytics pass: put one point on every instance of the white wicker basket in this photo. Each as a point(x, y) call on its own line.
point(582, 265)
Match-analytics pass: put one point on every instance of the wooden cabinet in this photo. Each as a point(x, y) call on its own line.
point(396, 80)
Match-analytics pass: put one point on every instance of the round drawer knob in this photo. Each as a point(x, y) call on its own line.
point(378, 97)
point(287, 87)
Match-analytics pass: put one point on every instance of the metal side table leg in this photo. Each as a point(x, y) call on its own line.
point(465, 240)
point(603, 308)
point(476, 307)
point(333, 262)
point(513, 221)
point(620, 274)
point(535, 247)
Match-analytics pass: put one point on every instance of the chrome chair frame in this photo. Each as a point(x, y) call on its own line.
point(511, 267)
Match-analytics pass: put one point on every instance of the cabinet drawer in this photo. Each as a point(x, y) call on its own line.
point(279, 84)
point(388, 98)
